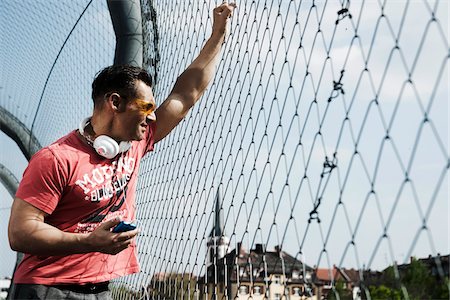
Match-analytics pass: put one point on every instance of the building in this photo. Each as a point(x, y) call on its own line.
point(438, 266)
point(348, 279)
point(218, 244)
point(4, 287)
point(258, 274)
point(255, 274)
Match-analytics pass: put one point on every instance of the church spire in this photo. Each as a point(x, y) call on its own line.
point(218, 218)
point(218, 244)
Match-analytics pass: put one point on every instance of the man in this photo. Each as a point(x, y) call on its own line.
point(75, 191)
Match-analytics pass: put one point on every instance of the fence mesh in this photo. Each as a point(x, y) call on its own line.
point(322, 137)
point(49, 54)
point(315, 165)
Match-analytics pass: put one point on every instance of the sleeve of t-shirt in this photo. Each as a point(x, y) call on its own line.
point(150, 138)
point(43, 182)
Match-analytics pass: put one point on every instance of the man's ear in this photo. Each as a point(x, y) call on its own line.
point(116, 102)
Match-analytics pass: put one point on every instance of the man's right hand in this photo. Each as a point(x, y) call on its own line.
point(103, 240)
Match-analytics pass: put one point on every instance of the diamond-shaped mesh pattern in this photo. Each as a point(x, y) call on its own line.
point(315, 165)
point(324, 135)
point(49, 54)
point(51, 51)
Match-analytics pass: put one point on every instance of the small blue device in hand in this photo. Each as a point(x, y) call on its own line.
point(124, 226)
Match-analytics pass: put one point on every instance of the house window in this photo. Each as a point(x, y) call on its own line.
point(243, 290)
point(276, 279)
point(296, 291)
point(295, 274)
point(308, 276)
point(277, 296)
point(243, 272)
point(258, 290)
point(255, 273)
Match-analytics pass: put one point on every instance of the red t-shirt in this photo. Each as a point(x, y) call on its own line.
point(79, 190)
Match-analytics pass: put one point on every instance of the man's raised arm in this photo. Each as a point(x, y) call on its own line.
point(192, 83)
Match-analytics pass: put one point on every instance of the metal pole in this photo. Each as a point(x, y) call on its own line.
point(127, 22)
point(11, 183)
point(16, 130)
point(9, 180)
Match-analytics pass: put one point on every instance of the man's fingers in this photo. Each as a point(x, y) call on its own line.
point(122, 245)
point(226, 7)
point(128, 235)
point(230, 7)
point(120, 248)
point(111, 223)
point(225, 10)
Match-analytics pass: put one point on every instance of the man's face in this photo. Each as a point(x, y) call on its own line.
point(138, 114)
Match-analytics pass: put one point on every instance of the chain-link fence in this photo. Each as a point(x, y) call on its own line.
point(315, 165)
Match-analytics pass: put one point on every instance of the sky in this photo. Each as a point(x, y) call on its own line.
point(252, 117)
point(18, 164)
point(404, 171)
point(25, 58)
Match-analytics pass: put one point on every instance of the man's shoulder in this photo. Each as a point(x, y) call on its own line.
point(67, 147)
point(68, 142)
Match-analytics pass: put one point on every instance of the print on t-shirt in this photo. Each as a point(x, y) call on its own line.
point(108, 184)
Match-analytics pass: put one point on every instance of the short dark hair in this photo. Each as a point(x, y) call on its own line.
point(119, 79)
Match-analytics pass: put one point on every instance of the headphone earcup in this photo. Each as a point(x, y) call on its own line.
point(103, 144)
point(106, 146)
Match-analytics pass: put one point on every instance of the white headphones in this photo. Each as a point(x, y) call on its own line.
point(103, 144)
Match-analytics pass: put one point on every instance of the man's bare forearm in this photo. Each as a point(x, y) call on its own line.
point(195, 79)
point(38, 238)
point(192, 83)
point(28, 233)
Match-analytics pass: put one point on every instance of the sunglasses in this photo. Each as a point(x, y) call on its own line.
point(144, 106)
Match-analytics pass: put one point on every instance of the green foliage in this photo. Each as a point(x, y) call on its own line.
point(340, 292)
point(415, 278)
point(441, 291)
point(121, 292)
point(418, 281)
point(384, 292)
point(173, 286)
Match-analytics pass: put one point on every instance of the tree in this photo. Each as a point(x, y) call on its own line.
point(340, 292)
point(441, 291)
point(384, 292)
point(415, 278)
point(418, 281)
